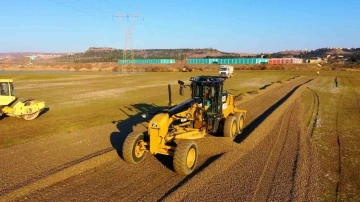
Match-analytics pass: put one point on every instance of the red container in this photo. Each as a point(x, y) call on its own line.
point(275, 61)
point(284, 60)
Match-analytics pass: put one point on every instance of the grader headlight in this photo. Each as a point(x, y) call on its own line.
point(154, 125)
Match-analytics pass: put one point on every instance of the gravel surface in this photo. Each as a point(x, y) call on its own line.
point(270, 160)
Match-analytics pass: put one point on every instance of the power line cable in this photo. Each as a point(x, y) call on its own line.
point(114, 5)
point(151, 33)
point(79, 10)
point(146, 27)
point(94, 7)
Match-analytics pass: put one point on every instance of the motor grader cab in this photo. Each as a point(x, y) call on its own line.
point(12, 106)
point(173, 131)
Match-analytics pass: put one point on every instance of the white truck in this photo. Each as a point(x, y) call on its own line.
point(226, 71)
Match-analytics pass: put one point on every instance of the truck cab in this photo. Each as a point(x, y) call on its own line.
point(226, 71)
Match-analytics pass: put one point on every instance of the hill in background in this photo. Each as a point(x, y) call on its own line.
point(105, 54)
point(113, 55)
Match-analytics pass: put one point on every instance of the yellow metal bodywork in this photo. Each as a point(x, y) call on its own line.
point(6, 100)
point(12, 106)
point(20, 109)
point(158, 127)
point(229, 107)
point(7, 80)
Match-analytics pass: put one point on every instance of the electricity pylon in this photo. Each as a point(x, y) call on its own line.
point(128, 38)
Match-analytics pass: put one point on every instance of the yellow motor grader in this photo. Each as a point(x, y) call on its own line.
point(12, 106)
point(173, 131)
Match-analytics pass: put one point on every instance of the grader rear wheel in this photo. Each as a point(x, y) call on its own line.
point(230, 127)
point(30, 116)
point(240, 122)
point(134, 148)
point(185, 157)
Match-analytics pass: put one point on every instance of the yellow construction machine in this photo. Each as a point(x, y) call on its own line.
point(12, 106)
point(173, 131)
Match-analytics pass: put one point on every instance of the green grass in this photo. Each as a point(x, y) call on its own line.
point(336, 135)
point(80, 100)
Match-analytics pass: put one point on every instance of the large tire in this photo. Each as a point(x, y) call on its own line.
point(185, 157)
point(131, 148)
point(240, 122)
point(230, 127)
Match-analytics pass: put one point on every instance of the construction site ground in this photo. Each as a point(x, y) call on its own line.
point(299, 144)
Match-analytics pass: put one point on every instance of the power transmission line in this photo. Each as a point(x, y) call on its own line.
point(146, 27)
point(128, 39)
point(94, 7)
point(79, 10)
point(114, 5)
point(128, 36)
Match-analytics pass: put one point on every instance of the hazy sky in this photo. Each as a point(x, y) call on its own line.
point(228, 25)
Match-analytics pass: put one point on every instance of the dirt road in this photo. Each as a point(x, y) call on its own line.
point(271, 160)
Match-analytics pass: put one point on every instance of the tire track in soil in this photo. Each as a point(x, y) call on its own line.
point(340, 140)
point(309, 150)
point(50, 180)
point(52, 171)
point(263, 190)
point(262, 114)
point(233, 176)
point(315, 110)
point(102, 152)
point(339, 144)
point(306, 161)
point(180, 183)
point(338, 191)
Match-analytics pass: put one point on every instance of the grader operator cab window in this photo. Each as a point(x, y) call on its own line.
point(215, 100)
point(209, 95)
point(209, 90)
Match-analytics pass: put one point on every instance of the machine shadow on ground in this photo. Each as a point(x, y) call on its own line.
point(255, 123)
point(44, 111)
point(206, 163)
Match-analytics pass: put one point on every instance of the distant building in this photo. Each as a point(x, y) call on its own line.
point(315, 60)
point(285, 61)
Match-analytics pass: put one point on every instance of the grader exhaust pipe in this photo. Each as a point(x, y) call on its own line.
point(182, 85)
point(170, 97)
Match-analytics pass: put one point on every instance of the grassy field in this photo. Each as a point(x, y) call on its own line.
point(336, 134)
point(80, 100)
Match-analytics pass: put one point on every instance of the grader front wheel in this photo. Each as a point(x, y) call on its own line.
point(134, 150)
point(185, 157)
